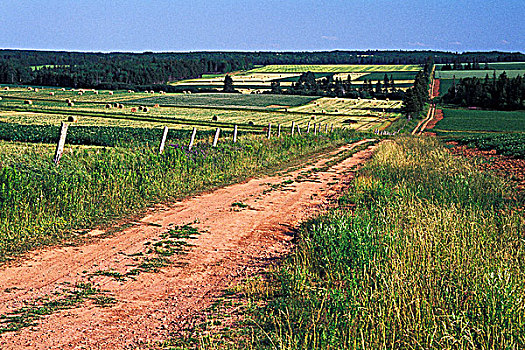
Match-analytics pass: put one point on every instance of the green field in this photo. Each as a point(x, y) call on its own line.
point(225, 100)
point(252, 111)
point(512, 145)
point(341, 68)
point(460, 74)
point(478, 120)
point(407, 75)
point(445, 85)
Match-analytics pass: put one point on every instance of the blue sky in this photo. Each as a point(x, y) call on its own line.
point(162, 25)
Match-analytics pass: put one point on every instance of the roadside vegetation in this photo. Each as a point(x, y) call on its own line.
point(424, 251)
point(41, 203)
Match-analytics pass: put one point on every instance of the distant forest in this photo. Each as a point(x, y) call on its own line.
point(153, 70)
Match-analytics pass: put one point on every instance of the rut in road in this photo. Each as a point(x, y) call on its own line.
point(234, 242)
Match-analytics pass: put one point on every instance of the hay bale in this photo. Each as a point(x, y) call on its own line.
point(51, 94)
point(156, 105)
point(36, 89)
point(6, 88)
point(145, 109)
point(80, 93)
point(71, 104)
point(63, 89)
point(28, 102)
point(72, 119)
point(141, 108)
point(250, 123)
point(29, 88)
point(312, 117)
point(96, 92)
point(115, 104)
point(152, 92)
point(120, 106)
point(108, 105)
point(214, 118)
point(111, 92)
point(68, 100)
point(133, 109)
point(0, 99)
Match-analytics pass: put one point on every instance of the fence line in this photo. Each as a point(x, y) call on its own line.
point(316, 129)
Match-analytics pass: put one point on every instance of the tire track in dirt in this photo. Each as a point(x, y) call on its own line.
point(235, 243)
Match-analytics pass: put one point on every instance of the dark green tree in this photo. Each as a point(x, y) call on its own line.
point(228, 84)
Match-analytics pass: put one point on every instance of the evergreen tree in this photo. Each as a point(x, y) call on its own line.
point(228, 84)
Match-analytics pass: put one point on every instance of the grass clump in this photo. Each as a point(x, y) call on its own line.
point(431, 255)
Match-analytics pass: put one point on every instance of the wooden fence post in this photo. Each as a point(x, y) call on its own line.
point(61, 142)
point(163, 141)
point(332, 128)
point(308, 128)
point(293, 127)
point(325, 128)
point(298, 129)
point(278, 130)
point(193, 133)
point(269, 129)
point(315, 128)
point(216, 138)
point(235, 134)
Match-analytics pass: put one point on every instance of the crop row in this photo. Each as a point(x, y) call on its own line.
point(512, 145)
point(339, 68)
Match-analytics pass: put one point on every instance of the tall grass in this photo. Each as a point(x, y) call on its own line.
point(41, 203)
point(432, 255)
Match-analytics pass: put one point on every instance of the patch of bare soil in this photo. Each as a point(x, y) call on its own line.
point(243, 228)
point(510, 168)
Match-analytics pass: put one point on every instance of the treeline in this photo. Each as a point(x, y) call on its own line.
point(502, 93)
point(416, 97)
point(475, 65)
point(136, 70)
point(339, 87)
point(114, 73)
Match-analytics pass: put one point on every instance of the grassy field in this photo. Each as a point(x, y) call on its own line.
point(445, 85)
point(424, 252)
point(341, 68)
point(261, 77)
point(42, 204)
point(224, 100)
point(348, 106)
point(478, 121)
point(396, 75)
point(460, 74)
point(203, 110)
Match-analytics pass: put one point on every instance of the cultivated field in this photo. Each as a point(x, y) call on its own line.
point(186, 110)
point(512, 69)
point(460, 74)
point(299, 68)
point(461, 120)
point(259, 79)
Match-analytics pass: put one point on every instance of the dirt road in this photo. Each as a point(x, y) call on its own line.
point(234, 242)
